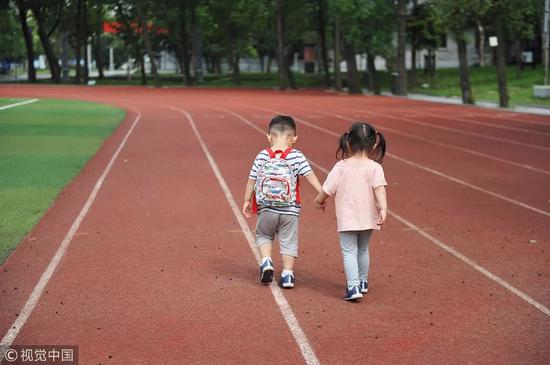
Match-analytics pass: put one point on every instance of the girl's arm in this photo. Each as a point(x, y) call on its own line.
point(247, 208)
point(380, 194)
point(320, 200)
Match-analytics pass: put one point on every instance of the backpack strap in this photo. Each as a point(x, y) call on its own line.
point(284, 153)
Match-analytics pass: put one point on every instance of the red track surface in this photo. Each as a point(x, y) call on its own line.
point(159, 271)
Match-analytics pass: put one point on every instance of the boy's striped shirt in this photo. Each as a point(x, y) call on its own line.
point(300, 167)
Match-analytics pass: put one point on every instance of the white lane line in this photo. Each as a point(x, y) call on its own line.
point(34, 297)
point(426, 140)
point(420, 113)
point(288, 314)
point(506, 116)
point(454, 130)
point(17, 104)
point(437, 242)
point(435, 172)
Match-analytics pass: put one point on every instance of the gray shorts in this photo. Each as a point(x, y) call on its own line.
point(285, 226)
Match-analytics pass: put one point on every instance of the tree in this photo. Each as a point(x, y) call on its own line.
point(281, 52)
point(423, 30)
point(142, 10)
point(510, 19)
point(238, 21)
point(400, 66)
point(458, 15)
point(47, 15)
point(176, 19)
point(23, 12)
point(348, 32)
point(368, 28)
point(75, 24)
point(97, 32)
point(377, 38)
point(129, 31)
point(337, 41)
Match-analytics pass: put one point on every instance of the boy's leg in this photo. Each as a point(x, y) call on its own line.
point(363, 259)
point(288, 262)
point(288, 240)
point(265, 249)
point(265, 233)
point(287, 234)
point(348, 244)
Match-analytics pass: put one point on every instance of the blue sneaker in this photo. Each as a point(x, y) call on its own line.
point(266, 272)
point(364, 286)
point(353, 293)
point(287, 281)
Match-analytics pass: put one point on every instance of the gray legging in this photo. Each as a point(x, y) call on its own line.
point(355, 251)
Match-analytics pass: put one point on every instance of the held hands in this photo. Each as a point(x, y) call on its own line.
point(320, 204)
point(247, 209)
point(382, 217)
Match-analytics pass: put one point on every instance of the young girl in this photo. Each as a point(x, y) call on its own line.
point(358, 185)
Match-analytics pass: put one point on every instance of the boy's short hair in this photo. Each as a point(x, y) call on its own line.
point(282, 124)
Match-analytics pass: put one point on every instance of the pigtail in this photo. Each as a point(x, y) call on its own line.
point(379, 149)
point(362, 138)
point(343, 149)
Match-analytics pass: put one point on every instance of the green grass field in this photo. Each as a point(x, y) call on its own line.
point(484, 84)
point(9, 101)
point(43, 146)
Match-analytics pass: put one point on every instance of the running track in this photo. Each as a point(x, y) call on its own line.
point(159, 270)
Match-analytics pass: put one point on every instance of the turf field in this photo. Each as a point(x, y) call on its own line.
point(43, 145)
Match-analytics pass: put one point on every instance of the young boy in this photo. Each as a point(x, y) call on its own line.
point(274, 184)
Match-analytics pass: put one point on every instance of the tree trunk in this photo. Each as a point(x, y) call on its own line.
point(78, 65)
point(501, 63)
point(354, 85)
point(22, 10)
point(281, 54)
point(46, 45)
point(262, 62)
point(143, 71)
point(467, 97)
point(269, 62)
point(236, 70)
point(98, 46)
point(413, 61)
point(401, 87)
point(86, 64)
point(183, 47)
point(233, 57)
point(431, 65)
point(85, 33)
point(65, 57)
point(373, 77)
point(196, 46)
point(519, 67)
point(337, 73)
point(481, 43)
point(323, 37)
point(218, 65)
point(78, 43)
point(414, 47)
point(148, 47)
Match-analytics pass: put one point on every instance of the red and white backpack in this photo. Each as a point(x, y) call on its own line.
point(276, 183)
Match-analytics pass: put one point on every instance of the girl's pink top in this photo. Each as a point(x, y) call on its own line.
point(352, 184)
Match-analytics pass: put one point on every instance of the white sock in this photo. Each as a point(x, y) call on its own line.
point(265, 259)
point(286, 272)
